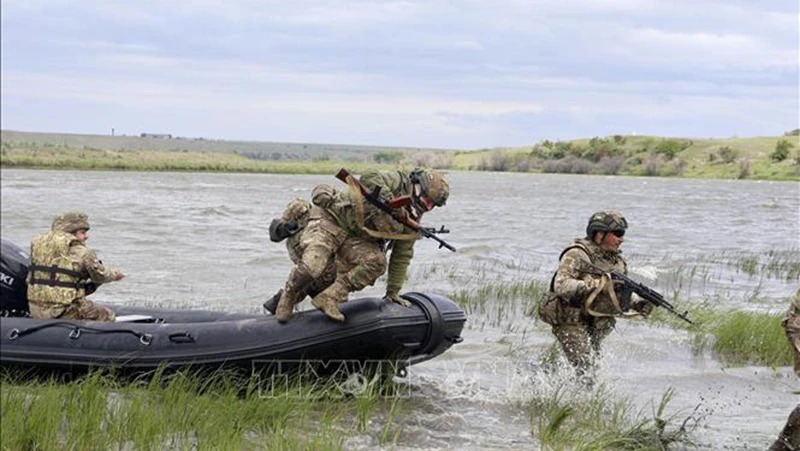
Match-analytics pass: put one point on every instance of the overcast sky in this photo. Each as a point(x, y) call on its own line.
point(460, 74)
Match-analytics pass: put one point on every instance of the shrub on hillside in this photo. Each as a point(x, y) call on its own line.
point(430, 160)
point(727, 154)
point(671, 147)
point(568, 165)
point(388, 156)
point(653, 163)
point(744, 168)
point(782, 149)
point(611, 165)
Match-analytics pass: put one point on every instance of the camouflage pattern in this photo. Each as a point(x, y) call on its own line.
point(789, 438)
point(335, 236)
point(579, 333)
point(299, 210)
point(791, 324)
point(71, 222)
point(605, 221)
point(435, 186)
point(84, 309)
point(62, 249)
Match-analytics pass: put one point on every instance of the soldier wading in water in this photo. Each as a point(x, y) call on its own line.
point(62, 271)
point(582, 303)
point(345, 235)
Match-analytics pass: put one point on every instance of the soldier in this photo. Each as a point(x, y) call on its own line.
point(581, 305)
point(789, 439)
point(62, 267)
point(289, 227)
point(352, 234)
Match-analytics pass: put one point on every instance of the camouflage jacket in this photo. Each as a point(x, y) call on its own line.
point(570, 280)
point(343, 208)
point(55, 289)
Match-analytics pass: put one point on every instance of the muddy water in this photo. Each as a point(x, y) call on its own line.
point(200, 241)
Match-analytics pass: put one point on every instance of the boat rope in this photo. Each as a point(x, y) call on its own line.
point(76, 332)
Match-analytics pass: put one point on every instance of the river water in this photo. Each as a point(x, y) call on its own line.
point(200, 241)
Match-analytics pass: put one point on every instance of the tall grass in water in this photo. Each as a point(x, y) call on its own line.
point(745, 338)
point(598, 420)
point(185, 411)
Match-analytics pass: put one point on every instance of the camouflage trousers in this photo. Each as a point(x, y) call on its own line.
point(581, 342)
point(323, 246)
point(83, 309)
point(792, 327)
point(318, 285)
point(789, 439)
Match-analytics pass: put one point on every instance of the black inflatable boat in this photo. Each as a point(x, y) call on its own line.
point(146, 338)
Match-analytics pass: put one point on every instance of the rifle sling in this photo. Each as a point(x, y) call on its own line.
point(358, 204)
point(608, 285)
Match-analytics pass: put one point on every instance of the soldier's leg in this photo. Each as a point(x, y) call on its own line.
point(576, 344)
point(360, 263)
point(789, 439)
point(599, 329)
point(321, 239)
point(88, 310)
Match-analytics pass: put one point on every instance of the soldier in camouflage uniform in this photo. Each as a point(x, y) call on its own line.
point(346, 231)
point(582, 305)
point(61, 267)
point(289, 227)
point(789, 439)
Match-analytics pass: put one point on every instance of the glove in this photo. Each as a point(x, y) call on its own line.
point(394, 297)
point(279, 230)
point(643, 307)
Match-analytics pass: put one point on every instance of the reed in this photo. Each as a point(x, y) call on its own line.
point(189, 411)
point(572, 418)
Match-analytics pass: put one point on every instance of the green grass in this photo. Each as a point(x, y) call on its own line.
point(701, 159)
point(187, 411)
point(598, 420)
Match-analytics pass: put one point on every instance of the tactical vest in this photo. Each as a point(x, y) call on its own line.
point(606, 261)
point(53, 278)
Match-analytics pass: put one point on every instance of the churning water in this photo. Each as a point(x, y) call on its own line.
point(200, 241)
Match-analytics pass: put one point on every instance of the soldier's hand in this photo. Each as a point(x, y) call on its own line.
point(118, 274)
point(394, 297)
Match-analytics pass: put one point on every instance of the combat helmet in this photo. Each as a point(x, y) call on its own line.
point(433, 184)
point(71, 222)
point(606, 221)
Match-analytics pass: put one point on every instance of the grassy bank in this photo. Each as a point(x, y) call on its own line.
point(168, 161)
point(762, 158)
point(186, 411)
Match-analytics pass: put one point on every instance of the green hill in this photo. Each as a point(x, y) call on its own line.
point(764, 158)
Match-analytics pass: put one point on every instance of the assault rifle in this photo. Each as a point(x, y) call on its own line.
point(390, 207)
point(629, 286)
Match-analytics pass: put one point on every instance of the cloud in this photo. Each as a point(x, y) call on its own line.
point(460, 74)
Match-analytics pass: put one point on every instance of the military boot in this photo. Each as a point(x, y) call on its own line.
point(329, 306)
point(272, 303)
point(293, 292)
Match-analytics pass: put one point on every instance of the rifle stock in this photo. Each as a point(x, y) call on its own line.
point(389, 208)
